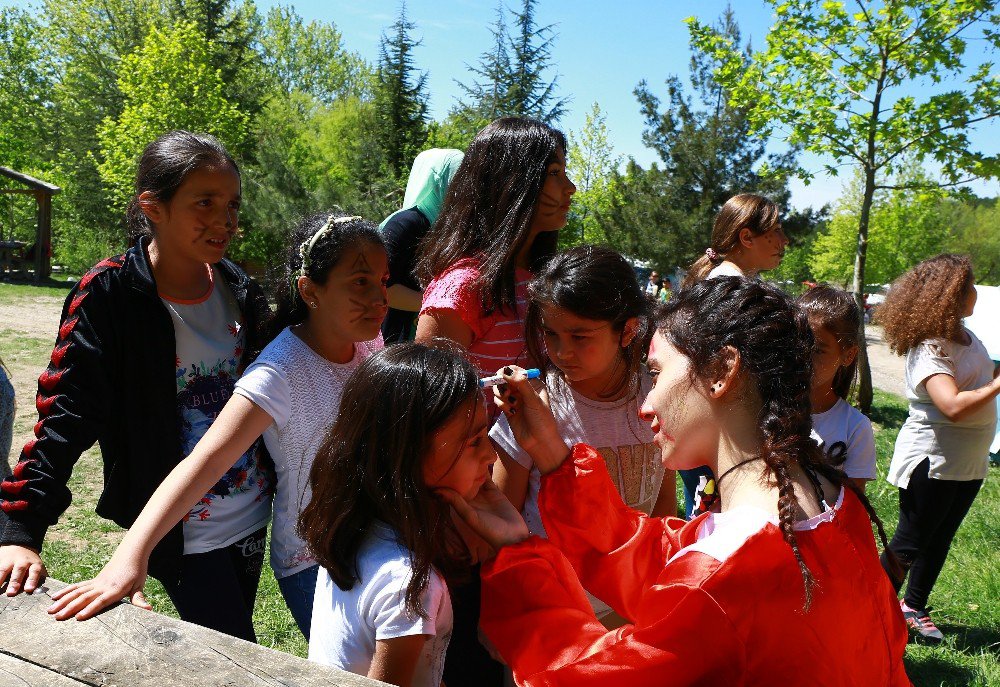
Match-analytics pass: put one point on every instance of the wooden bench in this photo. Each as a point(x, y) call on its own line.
point(128, 647)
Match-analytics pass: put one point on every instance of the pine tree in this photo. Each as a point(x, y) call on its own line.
point(511, 77)
point(401, 97)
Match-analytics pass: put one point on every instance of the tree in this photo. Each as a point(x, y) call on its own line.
point(591, 164)
point(974, 232)
point(906, 225)
point(707, 153)
point(311, 58)
point(26, 83)
point(231, 33)
point(511, 77)
point(835, 82)
point(401, 97)
point(169, 84)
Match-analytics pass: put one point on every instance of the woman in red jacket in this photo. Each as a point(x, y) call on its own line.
point(784, 586)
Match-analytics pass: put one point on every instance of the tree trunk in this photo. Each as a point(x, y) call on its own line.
point(864, 369)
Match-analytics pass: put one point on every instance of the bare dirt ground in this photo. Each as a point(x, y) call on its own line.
point(887, 368)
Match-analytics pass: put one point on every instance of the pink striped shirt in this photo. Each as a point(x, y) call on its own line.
point(498, 338)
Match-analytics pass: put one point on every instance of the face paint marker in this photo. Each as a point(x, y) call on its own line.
point(486, 382)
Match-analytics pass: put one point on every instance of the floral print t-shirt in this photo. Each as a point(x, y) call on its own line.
point(209, 342)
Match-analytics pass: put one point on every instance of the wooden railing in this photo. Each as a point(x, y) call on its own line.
point(129, 647)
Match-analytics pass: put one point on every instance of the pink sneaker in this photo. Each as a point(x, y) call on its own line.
point(920, 623)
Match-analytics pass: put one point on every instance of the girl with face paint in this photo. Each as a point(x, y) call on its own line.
point(331, 306)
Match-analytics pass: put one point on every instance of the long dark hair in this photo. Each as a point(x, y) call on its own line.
point(370, 465)
point(926, 302)
point(835, 311)
point(323, 256)
point(163, 166)
point(743, 211)
point(775, 344)
point(489, 207)
point(595, 283)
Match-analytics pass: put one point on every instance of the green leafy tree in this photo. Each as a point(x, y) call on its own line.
point(974, 226)
point(837, 82)
point(231, 32)
point(170, 83)
point(311, 58)
point(591, 164)
point(26, 84)
point(401, 97)
point(707, 154)
point(907, 224)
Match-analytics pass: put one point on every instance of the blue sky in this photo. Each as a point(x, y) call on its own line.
point(603, 49)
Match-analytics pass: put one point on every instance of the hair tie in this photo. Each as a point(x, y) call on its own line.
point(712, 255)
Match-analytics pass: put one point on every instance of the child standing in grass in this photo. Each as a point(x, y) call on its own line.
point(412, 422)
point(589, 320)
point(844, 433)
point(330, 309)
point(942, 451)
point(150, 346)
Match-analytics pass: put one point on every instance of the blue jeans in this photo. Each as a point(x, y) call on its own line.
point(690, 480)
point(299, 590)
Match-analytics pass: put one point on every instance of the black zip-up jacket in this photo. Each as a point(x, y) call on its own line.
point(111, 378)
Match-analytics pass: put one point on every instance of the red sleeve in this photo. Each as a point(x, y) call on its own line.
point(535, 614)
point(615, 550)
point(455, 290)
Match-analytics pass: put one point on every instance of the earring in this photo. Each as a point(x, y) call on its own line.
point(717, 387)
point(313, 305)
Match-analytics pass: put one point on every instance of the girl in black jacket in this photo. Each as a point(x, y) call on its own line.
point(149, 348)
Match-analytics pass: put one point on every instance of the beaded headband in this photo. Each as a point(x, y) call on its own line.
point(305, 250)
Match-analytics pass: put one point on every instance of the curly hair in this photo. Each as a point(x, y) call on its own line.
point(775, 343)
point(926, 302)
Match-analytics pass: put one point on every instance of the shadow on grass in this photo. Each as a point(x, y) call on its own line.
point(888, 415)
point(937, 671)
point(973, 639)
point(48, 282)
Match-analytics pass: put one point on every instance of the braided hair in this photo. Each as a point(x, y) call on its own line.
point(774, 342)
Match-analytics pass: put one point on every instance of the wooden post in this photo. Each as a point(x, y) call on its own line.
point(43, 235)
point(128, 647)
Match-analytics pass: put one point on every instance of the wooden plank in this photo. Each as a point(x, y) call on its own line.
point(30, 181)
point(17, 673)
point(128, 647)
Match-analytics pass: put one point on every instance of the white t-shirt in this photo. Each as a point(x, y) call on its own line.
point(725, 269)
point(845, 431)
point(346, 624)
point(957, 450)
point(209, 341)
point(301, 391)
point(611, 427)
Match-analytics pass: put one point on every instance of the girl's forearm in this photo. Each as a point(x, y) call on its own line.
point(957, 405)
point(239, 424)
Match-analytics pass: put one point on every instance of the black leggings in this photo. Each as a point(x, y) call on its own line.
point(217, 589)
point(930, 512)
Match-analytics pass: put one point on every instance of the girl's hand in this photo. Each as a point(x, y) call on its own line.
point(490, 515)
point(119, 579)
point(531, 421)
point(479, 550)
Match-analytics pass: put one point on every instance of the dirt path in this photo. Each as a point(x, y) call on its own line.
point(888, 369)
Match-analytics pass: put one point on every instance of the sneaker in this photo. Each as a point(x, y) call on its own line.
point(920, 623)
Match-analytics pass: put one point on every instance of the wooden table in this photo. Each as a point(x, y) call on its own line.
point(128, 647)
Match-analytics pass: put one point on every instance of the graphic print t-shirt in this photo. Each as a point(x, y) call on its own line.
point(209, 342)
